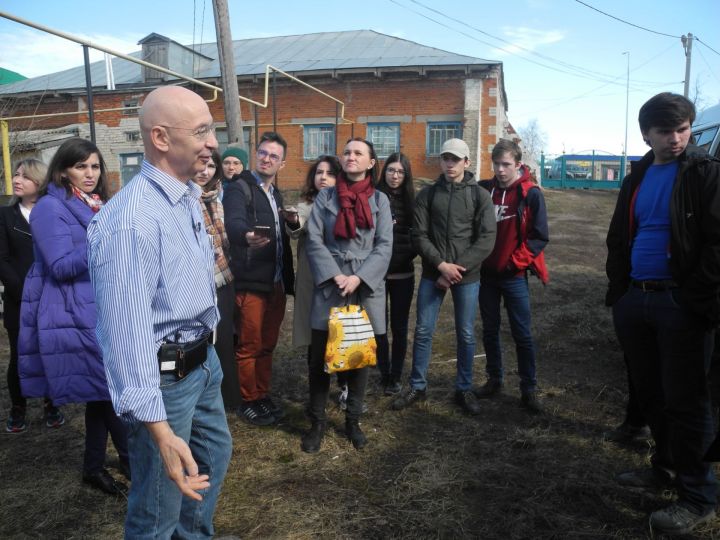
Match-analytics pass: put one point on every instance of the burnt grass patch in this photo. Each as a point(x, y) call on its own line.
point(429, 471)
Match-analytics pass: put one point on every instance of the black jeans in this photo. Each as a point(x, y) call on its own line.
point(669, 351)
point(100, 418)
point(320, 382)
point(399, 295)
point(633, 413)
point(225, 346)
point(13, 377)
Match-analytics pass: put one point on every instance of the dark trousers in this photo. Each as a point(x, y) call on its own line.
point(13, 377)
point(320, 382)
point(633, 413)
point(225, 346)
point(669, 351)
point(399, 295)
point(100, 418)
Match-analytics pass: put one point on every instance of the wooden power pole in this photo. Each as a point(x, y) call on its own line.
point(231, 98)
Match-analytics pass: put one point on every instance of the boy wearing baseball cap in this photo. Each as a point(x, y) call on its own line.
point(453, 232)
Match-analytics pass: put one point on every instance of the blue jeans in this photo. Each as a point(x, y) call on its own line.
point(517, 304)
point(429, 300)
point(669, 350)
point(195, 412)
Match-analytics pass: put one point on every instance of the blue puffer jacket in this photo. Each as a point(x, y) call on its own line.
point(58, 353)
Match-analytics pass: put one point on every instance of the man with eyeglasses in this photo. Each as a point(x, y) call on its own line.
point(262, 265)
point(151, 265)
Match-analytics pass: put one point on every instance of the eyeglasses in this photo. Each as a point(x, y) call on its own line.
point(201, 133)
point(262, 154)
point(393, 172)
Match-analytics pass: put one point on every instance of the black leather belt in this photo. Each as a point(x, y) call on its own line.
point(654, 286)
point(182, 358)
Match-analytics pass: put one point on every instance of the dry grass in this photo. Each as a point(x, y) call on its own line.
point(428, 472)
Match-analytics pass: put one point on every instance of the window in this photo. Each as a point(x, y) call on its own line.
point(705, 138)
point(438, 133)
point(132, 136)
point(129, 166)
point(222, 137)
point(130, 103)
point(318, 140)
point(385, 138)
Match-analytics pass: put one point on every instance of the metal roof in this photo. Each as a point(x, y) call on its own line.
point(300, 53)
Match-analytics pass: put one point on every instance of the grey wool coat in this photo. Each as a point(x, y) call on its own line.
point(367, 256)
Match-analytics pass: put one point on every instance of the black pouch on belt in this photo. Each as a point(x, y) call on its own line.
point(182, 358)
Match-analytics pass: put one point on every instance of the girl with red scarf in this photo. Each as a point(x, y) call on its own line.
point(349, 245)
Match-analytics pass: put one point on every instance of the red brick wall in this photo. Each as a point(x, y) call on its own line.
point(407, 95)
point(364, 97)
point(69, 104)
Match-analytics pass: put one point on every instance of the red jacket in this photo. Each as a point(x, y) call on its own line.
point(532, 228)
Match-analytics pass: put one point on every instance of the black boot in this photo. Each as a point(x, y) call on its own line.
point(355, 434)
point(312, 439)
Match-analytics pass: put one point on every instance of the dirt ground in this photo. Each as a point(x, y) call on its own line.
point(428, 472)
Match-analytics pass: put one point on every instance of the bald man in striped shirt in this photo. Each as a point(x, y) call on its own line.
point(151, 264)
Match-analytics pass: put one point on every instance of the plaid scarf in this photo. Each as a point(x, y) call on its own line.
point(93, 200)
point(214, 216)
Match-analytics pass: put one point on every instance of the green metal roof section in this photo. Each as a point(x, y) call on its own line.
point(7, 76)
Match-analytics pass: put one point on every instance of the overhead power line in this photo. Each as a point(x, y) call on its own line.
point(556, 65)
point(586, 73)
point(708, 46)
point(626, 22)
point(710, 69)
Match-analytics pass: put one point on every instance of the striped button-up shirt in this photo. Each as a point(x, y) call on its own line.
point(151, 265)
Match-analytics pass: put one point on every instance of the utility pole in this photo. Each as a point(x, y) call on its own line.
point(687, 45)
point(623, 165)
point(227, 70)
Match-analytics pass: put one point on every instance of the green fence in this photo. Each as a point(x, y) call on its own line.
point(583, 171)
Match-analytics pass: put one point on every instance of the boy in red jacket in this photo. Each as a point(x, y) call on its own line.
point(522, 233)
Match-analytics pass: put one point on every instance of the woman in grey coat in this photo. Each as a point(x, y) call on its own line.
point(349, 245)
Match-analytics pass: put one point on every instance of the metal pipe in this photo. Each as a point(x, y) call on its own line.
point(73, 113)
point(89, 92)
point(5, 139)
point(104, 49)
point(274, 100)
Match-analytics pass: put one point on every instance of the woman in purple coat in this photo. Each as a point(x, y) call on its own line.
point(59, 355)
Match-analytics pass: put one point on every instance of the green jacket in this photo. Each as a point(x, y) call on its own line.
point(459, 228)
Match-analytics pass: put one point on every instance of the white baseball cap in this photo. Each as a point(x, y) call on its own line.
point(456, 147)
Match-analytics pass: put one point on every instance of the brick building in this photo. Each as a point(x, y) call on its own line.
point(399, 94)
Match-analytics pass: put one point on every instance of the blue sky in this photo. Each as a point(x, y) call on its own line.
point(564, 63)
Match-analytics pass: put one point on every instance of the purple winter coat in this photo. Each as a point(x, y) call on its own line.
point(58, 352)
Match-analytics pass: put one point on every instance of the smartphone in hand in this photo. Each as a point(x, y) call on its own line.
point(262, 231)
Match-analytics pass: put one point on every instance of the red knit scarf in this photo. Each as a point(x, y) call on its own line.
point(353, 198)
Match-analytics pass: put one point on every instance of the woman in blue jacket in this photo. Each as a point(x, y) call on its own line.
point(59, 355)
